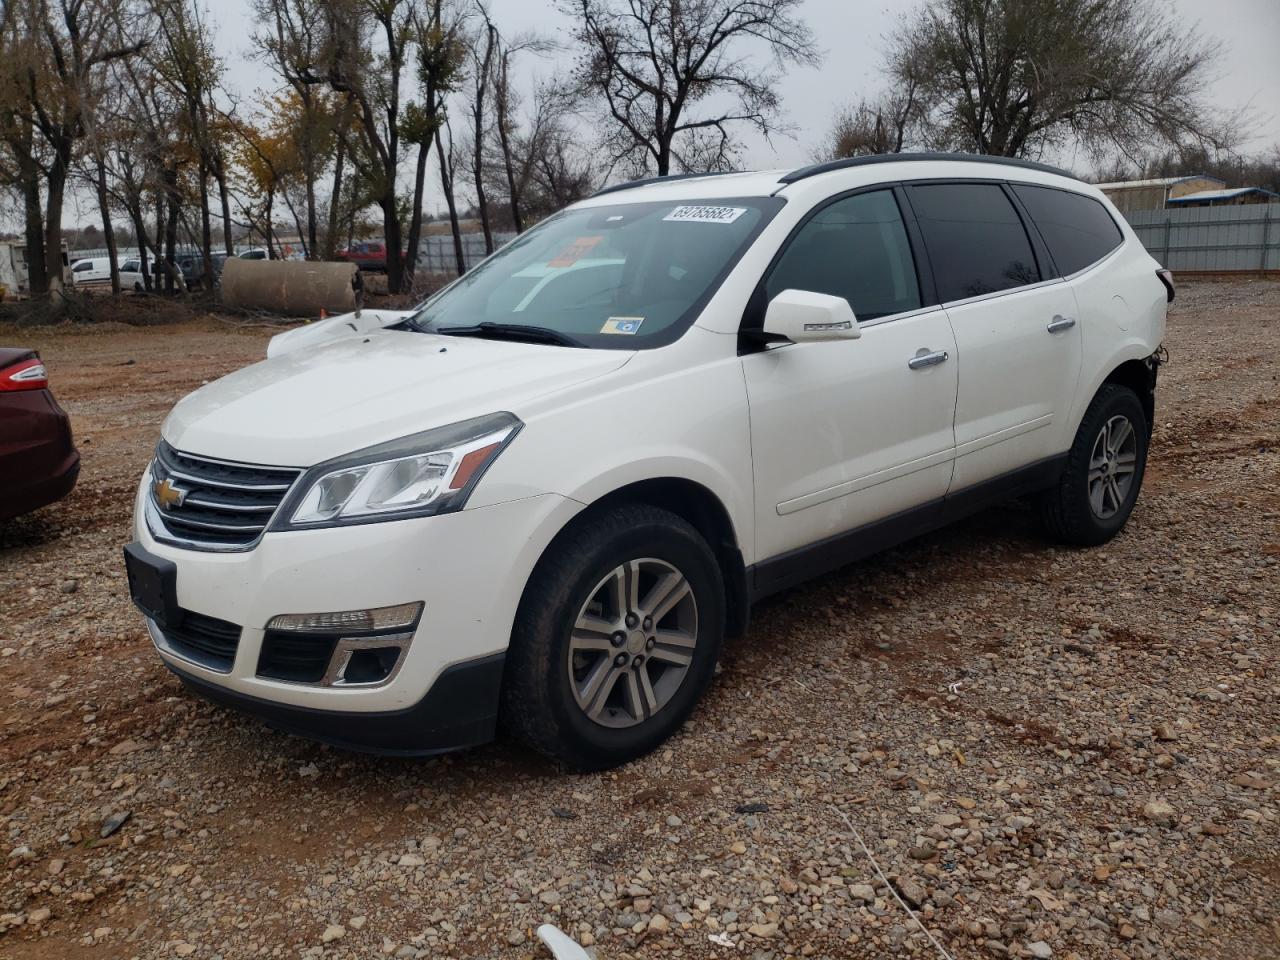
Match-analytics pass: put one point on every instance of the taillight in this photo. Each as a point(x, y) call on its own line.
point(27, 374)
point(1166, 277)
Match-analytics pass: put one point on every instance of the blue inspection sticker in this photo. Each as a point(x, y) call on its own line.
point(625, 325)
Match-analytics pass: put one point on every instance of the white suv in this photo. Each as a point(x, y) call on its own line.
point(546, 495)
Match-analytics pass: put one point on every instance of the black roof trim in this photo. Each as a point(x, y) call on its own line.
point(817, 168)
point(669, 178)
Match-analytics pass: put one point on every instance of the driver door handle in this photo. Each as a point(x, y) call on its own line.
point(924, 358)
point(1060, 323)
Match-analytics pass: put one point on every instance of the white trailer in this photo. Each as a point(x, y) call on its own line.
point(14, 276)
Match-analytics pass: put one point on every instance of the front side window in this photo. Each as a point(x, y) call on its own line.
point(623, 276)
point(855, 248)
point(1077, 229)
point(83, 266)
point(976, 241)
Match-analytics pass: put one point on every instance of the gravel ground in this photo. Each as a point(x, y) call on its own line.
point(1047, 752)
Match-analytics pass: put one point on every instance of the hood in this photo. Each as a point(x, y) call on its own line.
point(333, 328)
point(314, 403)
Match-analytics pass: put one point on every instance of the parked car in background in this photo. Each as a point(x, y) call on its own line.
point(368, 255)
point(92, 270)
point(550, 492)
point(38, 460)
point(257, 253)
point(192, 268)
point(133, 274)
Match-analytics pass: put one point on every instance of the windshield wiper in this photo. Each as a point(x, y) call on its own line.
point(511, 331)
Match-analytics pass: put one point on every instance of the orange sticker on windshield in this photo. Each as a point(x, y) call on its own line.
point(575, 251)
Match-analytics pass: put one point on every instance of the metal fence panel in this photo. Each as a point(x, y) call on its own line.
point(435, 252)
point(1232, 239)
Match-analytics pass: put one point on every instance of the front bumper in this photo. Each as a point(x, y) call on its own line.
point(468, 569)
point(460, 710)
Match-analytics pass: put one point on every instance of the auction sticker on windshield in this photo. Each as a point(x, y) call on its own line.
point(575, 251)
point(705, 214)
point(627, 325)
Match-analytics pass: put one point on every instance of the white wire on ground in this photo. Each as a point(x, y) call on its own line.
point(885, 880)
point(562, 946)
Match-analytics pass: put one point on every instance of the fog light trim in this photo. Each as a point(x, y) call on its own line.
point(335, 675)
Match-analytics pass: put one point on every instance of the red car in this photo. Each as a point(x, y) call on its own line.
point(368, 255)
point(38, 462)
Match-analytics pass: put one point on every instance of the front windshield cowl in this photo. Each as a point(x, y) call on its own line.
point(625, 276)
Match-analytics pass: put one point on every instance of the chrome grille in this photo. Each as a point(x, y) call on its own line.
point(224, 505)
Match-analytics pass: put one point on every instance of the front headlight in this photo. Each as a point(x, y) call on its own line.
point(427, 473)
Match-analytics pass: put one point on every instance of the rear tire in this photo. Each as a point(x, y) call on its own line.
point(616, 638)
point(1104, 471)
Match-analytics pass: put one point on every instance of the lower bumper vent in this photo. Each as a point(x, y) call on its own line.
point(207, 641)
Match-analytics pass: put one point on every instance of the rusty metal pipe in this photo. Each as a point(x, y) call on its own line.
point(294, 288)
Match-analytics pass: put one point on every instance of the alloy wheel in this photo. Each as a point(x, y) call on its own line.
point(632, 643)
point(1112, 467)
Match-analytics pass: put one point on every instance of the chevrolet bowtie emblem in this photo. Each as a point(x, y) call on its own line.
point(167, 495)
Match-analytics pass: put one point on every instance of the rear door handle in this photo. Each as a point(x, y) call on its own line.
point(1060, 323)
point(924, 358)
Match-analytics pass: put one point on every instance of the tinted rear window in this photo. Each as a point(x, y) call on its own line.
point(977, 243)
point(1077, 229)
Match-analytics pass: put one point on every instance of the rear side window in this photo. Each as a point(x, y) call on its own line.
point(855, 248)
point(1077, 229)
point(977, 243)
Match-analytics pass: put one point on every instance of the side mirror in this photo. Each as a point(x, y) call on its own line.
point(802, 316)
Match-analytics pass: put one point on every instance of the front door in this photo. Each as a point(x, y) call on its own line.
point(849, 432)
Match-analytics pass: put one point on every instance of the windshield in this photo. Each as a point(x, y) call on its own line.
point(625, 277)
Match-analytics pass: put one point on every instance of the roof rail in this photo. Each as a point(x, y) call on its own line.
point(645, 181)
point(817, 168)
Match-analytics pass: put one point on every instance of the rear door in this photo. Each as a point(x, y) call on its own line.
point(849, 432)
point(1017, 337)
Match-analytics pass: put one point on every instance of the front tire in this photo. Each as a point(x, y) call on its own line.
point(1104, 471)
point(616, 638)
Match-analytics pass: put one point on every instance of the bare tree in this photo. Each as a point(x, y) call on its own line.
point(186, 64)
point(867, 127)
point(367, 48)
point(885, 124)
point(149, 150)
point(506, 103)
point(54, 62)
point(98, 140)
point(673, 79)
point(1234, 168)
point(448, 178)
point(480, 52)
point(1015, 77)
point(556, 167)
point(291, 39)
point(22, 168)
point(441, 51)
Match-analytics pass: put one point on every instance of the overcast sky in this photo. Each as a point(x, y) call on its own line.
point(852, 33)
